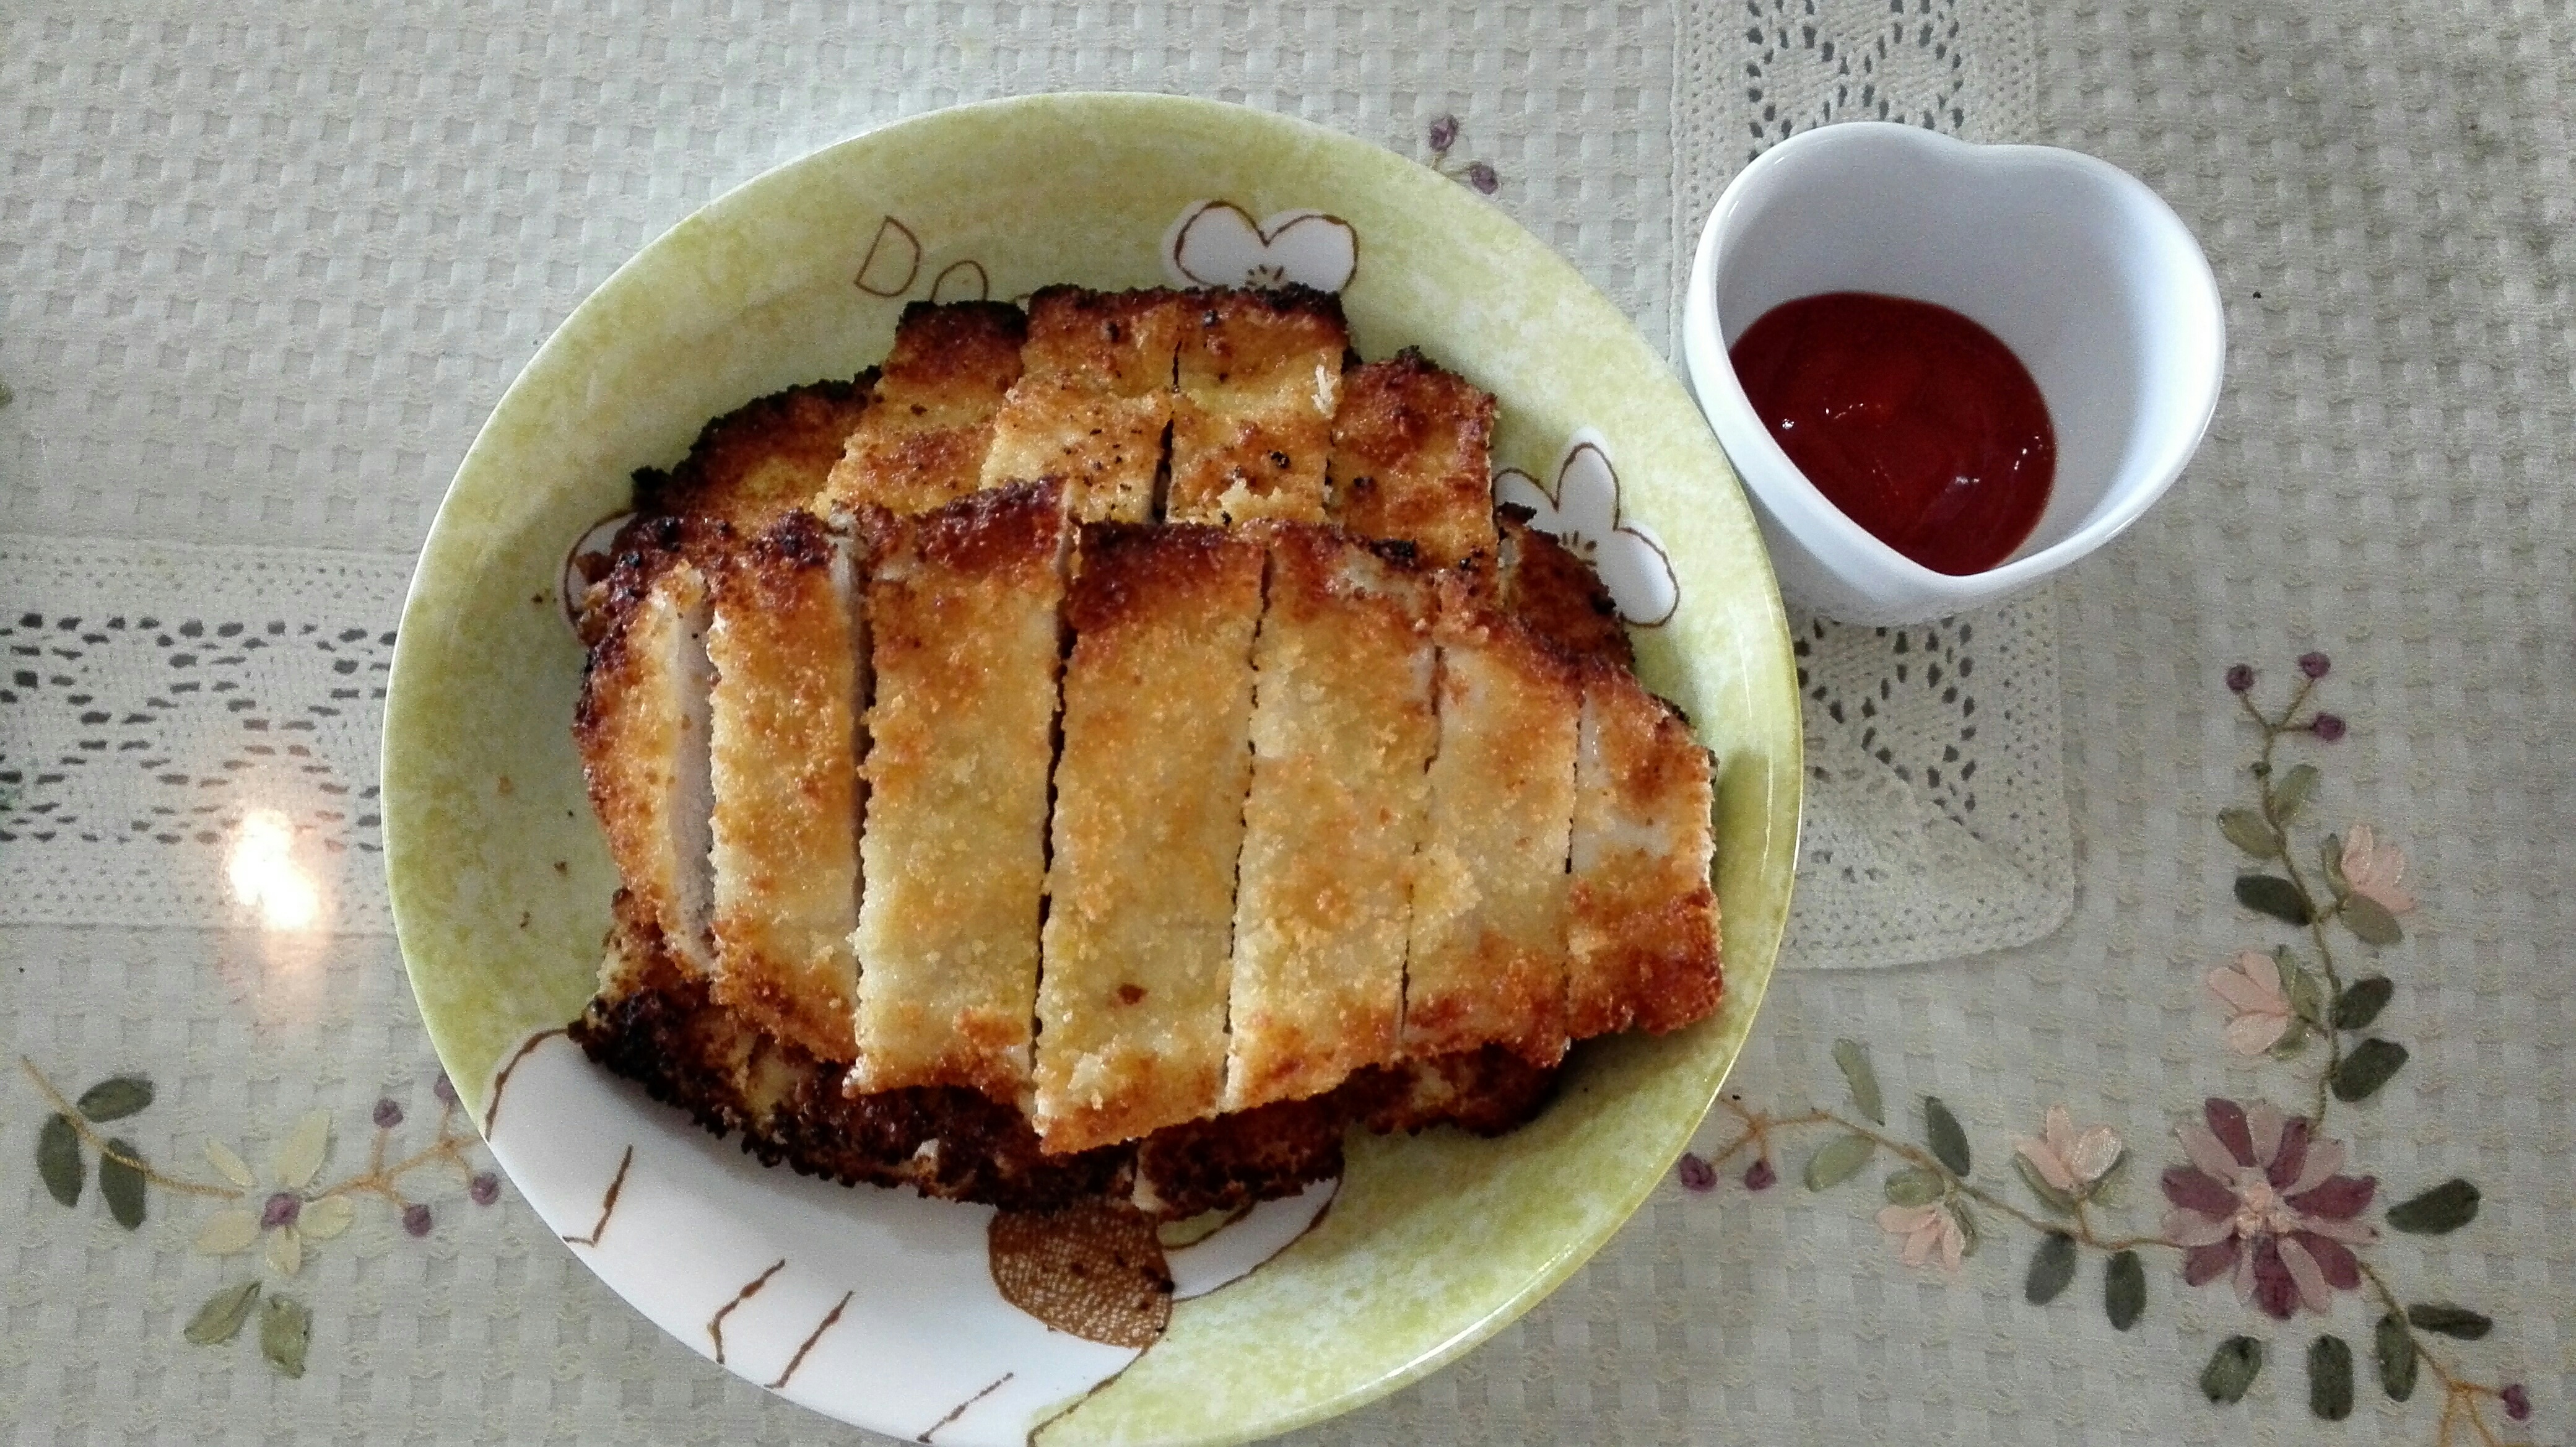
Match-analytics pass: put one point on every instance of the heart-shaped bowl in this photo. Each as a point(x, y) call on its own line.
point(877, 1307)
point(2079, 268)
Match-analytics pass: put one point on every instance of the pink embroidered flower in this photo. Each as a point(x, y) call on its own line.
point(2373, 872)
point(2251, 989)
point(2262, 1200)
point(2070, 1162)
point(1925, 1229)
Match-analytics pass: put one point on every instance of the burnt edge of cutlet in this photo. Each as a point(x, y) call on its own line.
point(823, 412)
point(959, 339)
point(1121, 569)
point(996, 526)
point(1558, 594)
point(1293, 299)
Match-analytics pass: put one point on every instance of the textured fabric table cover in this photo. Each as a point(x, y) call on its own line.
point(262, 274)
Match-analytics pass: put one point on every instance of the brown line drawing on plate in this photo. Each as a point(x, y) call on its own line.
point(798, 1360)
point(982, 284)
point(594, 542)
point(960, 1409)
point(715, 1323)
point(1217, 243)
point(1623, 583)
point(881, 263)
point(607, 1203)
point(501, 1082)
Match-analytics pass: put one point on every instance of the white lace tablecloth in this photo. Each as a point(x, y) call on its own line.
point(263, 273)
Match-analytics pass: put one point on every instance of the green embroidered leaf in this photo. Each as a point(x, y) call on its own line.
point(1853, 1057)
point(2330, 854)
point(2049, 1196)
point(2052, 1268)
point(115, 1098)
point(1941, 1132)
point(2367, 1068)
point(2394, 1348)
point(2330, 1378)
point(2108, 1190)
point(1837, 1160)
point(2232, 1370)
point(1972, 1238)
point(1914, 1186)
point(221, 1318)
point(2292, 793)
point(2447, 1207)
point(285, 1332)
point(2361, 1001)
point(2307, 993)
point(2124, 1290)
point(2370, 921)
point(58, 1160)
point(2246, 830)
point(2293, 1042)
point(2449, 1320)
point(122, 1184)
point(2270, 894)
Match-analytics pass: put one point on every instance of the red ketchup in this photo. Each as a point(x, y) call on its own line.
point(1914, 420)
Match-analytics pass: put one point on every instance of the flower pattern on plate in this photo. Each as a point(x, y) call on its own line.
point(1581, 509)
point(1217, 243)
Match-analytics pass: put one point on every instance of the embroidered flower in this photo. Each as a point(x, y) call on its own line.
point(286, 1216)
point(2373, 871)
point(1925, 1229)
point(1697, 1175)
point(2262, 1200)
point(2070, 1162)
point(2252, 990)
point(2315, 665)
point(2329, 727)
point(2240, 678)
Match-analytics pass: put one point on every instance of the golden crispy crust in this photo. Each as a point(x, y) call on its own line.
point(1259, 376)
point(1642, 930)
point(1342, 727)
point(759, 462)
point(1542, 583)
point(784, 759)
point(1412, 458)
point(641, 727)
point(962, 608)
point(1121, 343)
point(1106, 449)
point(930, 422)
point(1148, 821)
point(1487, 961)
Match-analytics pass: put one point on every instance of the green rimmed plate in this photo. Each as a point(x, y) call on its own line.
point(872, 1306)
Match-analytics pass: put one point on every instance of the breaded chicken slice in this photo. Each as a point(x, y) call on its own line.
point(1556, 593)
point(1259, 377)
point(1412, 458)
point(1342, 729)
point(760, 461)
point(1148, 823)
point(1642, 926)
point(787, 645)
point(929, 423)
point(1094, 399)
point(1487, 958)
point(642, 729)
point(962, 607)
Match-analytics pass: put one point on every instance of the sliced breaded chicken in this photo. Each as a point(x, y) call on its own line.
point(1487, 962)
point(785, 642)
point(1642, 919)
point(1148, 822)
point(1547, 586)
point(642, 730)
point(1412, 458)
point(962, 608)
point(1259, 378)
point(929, 423)
point(759, 462)
point(1342, 728)
point(1094, 399)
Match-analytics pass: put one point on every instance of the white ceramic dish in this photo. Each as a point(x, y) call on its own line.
point(2085, 273)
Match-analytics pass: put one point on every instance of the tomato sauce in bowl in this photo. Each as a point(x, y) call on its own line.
point(1916, 422)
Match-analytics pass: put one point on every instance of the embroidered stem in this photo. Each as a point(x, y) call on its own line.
point(69, 1112)
point(1757, 1127)
point(2461, 1398)
point(381, 1180)
point(2272, 730)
